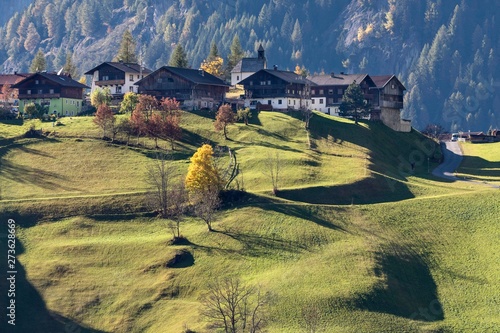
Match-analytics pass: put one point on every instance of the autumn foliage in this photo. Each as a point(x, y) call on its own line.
point(225, 116)
point(104, 118)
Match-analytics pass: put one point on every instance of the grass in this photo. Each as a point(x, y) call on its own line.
point(482, 162)
point(375, 245)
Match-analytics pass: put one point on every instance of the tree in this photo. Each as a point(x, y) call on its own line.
point(159, 176)
point(125, 126)
point(30, 110)
point(104, 118)
point(69, 68)
point(147, 104)
point(214, 52)
point(100, 97)
point(353, 103)
point(234, 307)
point(203, 183)
point(138, 123)
point(126, 53)
point(296, 36)
point(39, 63)
point(272, 168)
point(130, 100)
point(225, 116)
point(236, 54)
point(433, 130)
point(8, 93)
point(32, 38)
point(244, 114)
point(179, 58)
point(214, 67)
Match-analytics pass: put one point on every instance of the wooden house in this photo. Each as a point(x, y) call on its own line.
point(247, 66)
point(277, 90)
point(388, 101)
point(8, 95)
point(59, 93)
point(194, 89)
point(327, 94)
point(118, 77)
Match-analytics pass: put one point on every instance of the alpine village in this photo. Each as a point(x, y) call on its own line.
point(244, 166)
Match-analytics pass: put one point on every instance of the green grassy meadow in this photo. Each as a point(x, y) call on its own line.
point(355, 232)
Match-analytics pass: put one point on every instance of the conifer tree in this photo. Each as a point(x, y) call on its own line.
point(39, 63)
point(353, 103)
point(32, 38)
point(236, 54)
point(69, 67)
point(126, 53)
point(179, 58)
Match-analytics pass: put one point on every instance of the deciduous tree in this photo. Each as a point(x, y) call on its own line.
point(147, 104)
point(100, 97)
point(130, 100)
point(104, 118)
point(138, 123)
point(244, 114)
point(225, 116)
point(353, 103)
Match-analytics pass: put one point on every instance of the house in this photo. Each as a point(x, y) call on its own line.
point(9, 95)
point(119, 77)
point(327, 95)
point(247, 66)
point(277, 90)
point(194, 89)
point(388, 100)
point(59, 93)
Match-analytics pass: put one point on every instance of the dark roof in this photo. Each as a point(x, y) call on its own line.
point(12, 78)
point(337, 79)
point(62, 80)
point(126, 67)
point(287, 76)
point(382, 80)
point(249, 65)
point(194, 75)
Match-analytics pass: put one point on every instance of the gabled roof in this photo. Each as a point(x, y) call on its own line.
point(12, 78)
point(286, 76)
point(382, 80)
point(62, 80)
point(126, 67)
point(249, 65)
point(196, 76)
point(337, 79)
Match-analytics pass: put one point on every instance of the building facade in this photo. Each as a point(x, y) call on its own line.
point(60, 94)
point(247, 66)
point(388, 100)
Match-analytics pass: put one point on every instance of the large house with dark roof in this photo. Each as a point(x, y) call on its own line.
point(327, 94)
point(194, 89)
point(247, 66)
point(119, 77)
point(60, 94)
point(277, 90)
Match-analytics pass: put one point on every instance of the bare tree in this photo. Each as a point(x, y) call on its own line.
point(234, 307)
point(272, 169)
point(177, 199)
point(205, 204)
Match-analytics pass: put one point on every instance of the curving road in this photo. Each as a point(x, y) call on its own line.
point(452, 155)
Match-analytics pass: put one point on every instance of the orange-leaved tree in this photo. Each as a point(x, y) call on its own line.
point(104, 118)
point(203, 183)
point(225, 116)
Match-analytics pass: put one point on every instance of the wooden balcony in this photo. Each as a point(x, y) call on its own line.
point(110, 82)
point(391, 104)
point(39, 96)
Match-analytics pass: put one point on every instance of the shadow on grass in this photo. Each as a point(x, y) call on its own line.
point(31, 312)
point(194, 138)
point(480, 169)
point(375, 189)
point(408, 289)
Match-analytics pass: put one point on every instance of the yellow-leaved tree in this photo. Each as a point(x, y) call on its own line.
point(204, 183)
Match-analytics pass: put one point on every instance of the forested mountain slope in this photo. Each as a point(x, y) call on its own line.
point(445, 52)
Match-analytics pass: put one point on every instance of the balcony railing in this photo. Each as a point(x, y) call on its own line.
point(39, 96)
point(391, 104)
point(110, 82)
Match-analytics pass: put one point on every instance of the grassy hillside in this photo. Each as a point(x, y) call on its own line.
point(482, 162)
point(374, 244)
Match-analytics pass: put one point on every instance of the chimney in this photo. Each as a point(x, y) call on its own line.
point(342, 73)
point(332, 74)
point(275, 67)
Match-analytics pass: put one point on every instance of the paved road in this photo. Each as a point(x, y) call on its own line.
point(452, 158)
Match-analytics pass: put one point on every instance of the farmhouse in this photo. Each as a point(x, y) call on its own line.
point(277, 90)
point(194, 89)
point(59, 93)
point(247, 66)
point(327, 95)
point(119, 77)
point(388, 101)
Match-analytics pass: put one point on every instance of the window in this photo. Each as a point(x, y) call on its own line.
point(51, 91)
point(250, 83)
point(289, 102)
point(37, 82)
point(294, 102)
point(330, 91)
point(321, 91)
point(393, 86)
point(40, 91)
point(280, 101)
point(269, 82)
point(28, 92)
point(131, 77)
point(105, 78)
point(237, 77)
point(131, 88)
point(119, 90)
point(269, 102)
point(138, 77)
point(312, 102)
point(340, 91)
point(262, 83)
point(313, 92)
point(321, 101)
